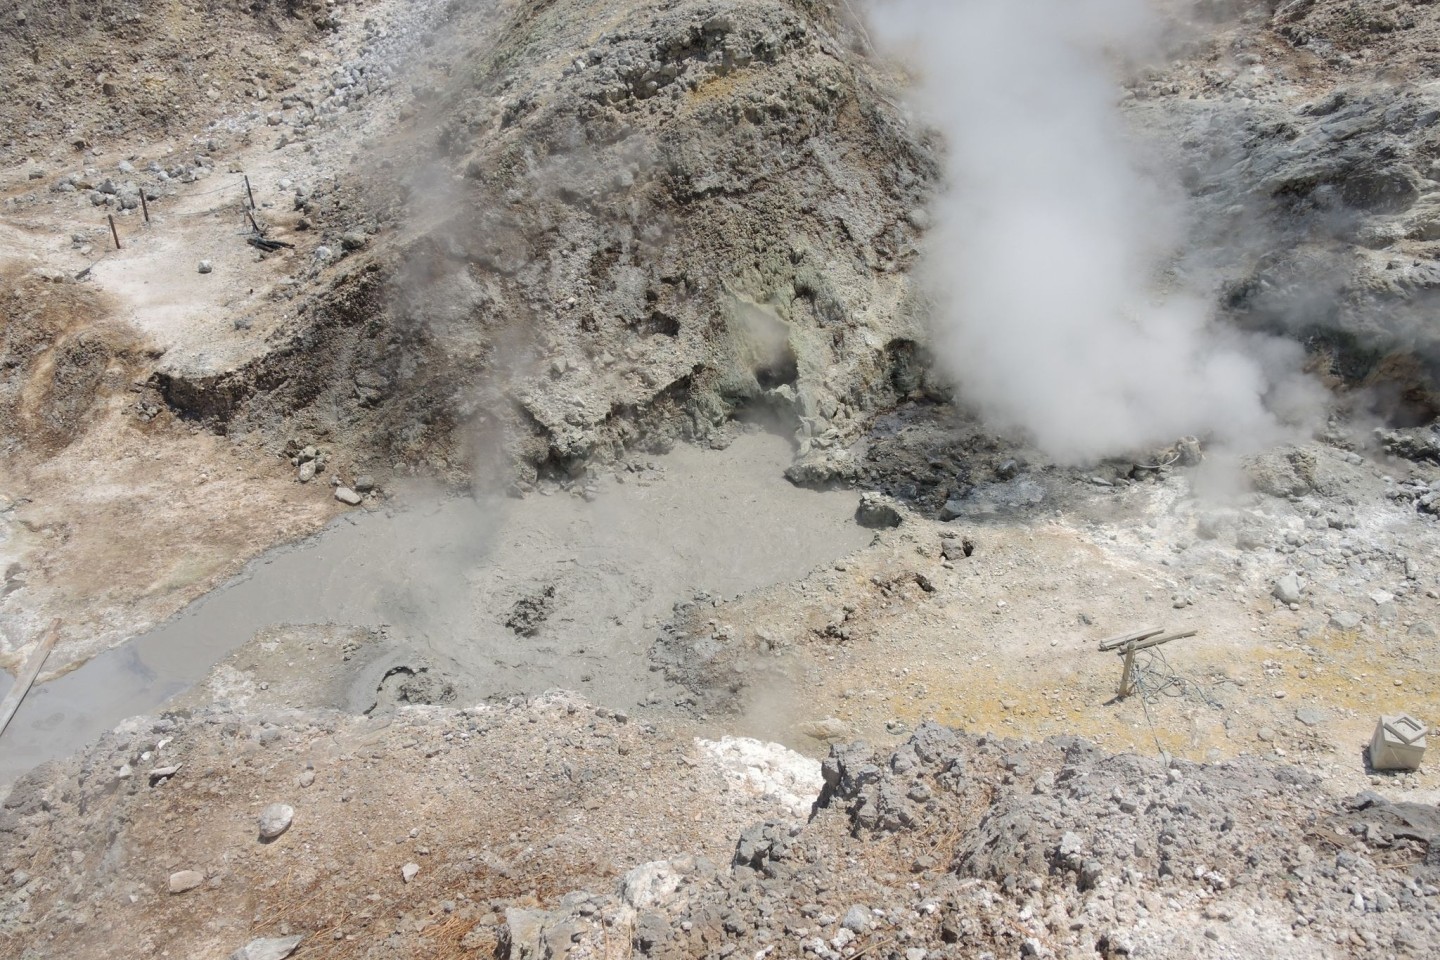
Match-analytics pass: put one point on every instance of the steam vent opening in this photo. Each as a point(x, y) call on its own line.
point(716, 479)
point(784, 371)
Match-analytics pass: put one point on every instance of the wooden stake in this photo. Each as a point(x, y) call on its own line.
point(27, 676)
point(113, 232)
point(144, 207)
point(248, 193)
point(1125, 674)
point(1139, 640)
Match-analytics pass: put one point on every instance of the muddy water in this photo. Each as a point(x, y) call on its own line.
point(445, 575)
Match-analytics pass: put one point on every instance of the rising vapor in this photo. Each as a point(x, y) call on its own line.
point(1051, 240)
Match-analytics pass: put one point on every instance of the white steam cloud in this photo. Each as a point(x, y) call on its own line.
point(1047, 261)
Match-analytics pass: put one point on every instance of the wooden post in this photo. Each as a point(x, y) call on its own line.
point(26, 677)
point(1130, 643)
point(251, 216)
point(248, 192)
point(1127, 673)
point(144, 207)
point(113, 232)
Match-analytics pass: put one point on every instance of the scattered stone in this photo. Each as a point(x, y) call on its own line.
point(650, 885)
point(956, 548)
point(408, 872)
point(163, 773)
point(524, 930)
point(876, 512)
point(353, 240)
point(1289, 473)
point(347, 496)
point(1346, 620)
point(364, 483)
point(206, 266)
point(306, 777)
point(184, 881)
point(275, 820)
point(1265, 735)
point(268, 948)
point(857, 919)
point(306, 473)
point(1287, 588)
point(829, 729)
point(1310, 716)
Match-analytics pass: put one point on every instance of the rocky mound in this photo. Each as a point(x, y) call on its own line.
point(611, 225)
point(959, 846)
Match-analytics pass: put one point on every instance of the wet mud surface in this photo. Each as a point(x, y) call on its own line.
point(490, 596)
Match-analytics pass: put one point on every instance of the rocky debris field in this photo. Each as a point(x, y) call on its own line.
point(956, 845)
point(523, 830)
point(408, 832)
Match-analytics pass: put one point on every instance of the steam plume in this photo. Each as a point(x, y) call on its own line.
point(1051, 240)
